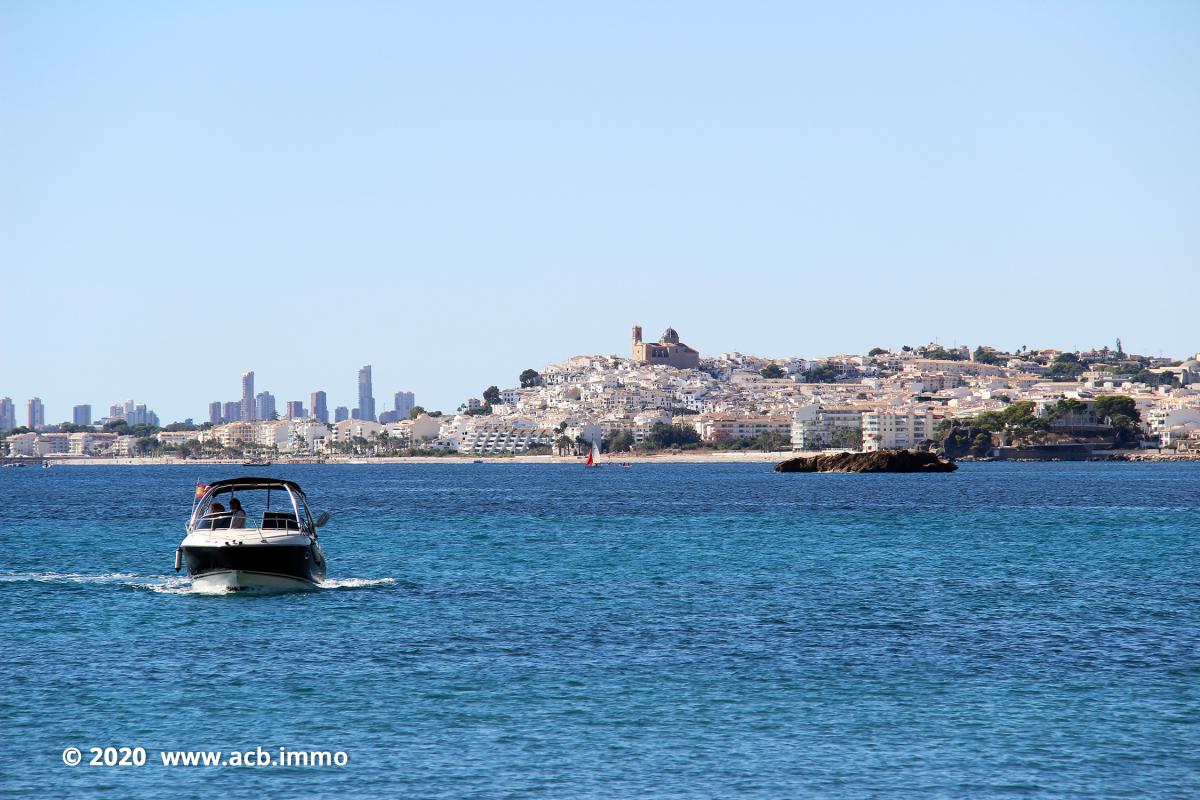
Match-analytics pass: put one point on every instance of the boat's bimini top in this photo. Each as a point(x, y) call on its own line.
point(234, 484)
point(295, 514)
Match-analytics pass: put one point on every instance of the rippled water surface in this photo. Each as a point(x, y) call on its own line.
point(666, 631)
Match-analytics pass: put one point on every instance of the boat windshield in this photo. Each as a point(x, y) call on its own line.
point(263, 508)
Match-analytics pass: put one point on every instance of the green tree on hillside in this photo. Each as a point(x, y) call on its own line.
point(771, 441)
point(942, 354)
point(665, 435)
point(619, 442)
point(822, 374)
point(846, 438)
point(1149, 378)
point(1066, 367)
point(986, 355)
point(772, 371)
point(1068, 405)
point(1114, 405)
point(530, 378)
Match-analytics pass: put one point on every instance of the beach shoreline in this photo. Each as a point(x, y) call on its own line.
point(682, 457)
point(732, 457)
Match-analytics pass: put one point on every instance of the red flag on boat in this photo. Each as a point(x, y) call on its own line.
point(201, 488)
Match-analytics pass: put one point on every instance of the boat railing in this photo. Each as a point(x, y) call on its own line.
point(271, 521)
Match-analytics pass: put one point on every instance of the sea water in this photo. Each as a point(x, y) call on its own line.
point(665, 631)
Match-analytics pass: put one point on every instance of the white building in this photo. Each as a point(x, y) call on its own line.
point(54, 444)
point(1161, 418)
point(350, 429)
point(494, 437)
point(175, 438)
point(426, 428)
point(272, 434)
point(588, 431)
point(306, 435)
point(22, 444)
point(125, 446)
point(896, 430)
point(87, 443)
point(718, 428)
point(816, 427)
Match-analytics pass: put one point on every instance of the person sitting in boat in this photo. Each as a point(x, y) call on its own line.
point(215, 517)
point(239, 516)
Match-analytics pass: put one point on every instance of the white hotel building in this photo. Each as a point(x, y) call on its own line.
point(896, 430)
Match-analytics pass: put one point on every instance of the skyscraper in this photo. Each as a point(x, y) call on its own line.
point(341, 413)
point(265, 406)
point(231, 411)
point(8, 414)
point(319, 408)
point(35, 414)
point(295, 409)
point(214, 412)
point(82, 415)
point(366, 398)
point(405, 402)
point(248, 396)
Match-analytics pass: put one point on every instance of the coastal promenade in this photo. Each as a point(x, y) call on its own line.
point(681, 457)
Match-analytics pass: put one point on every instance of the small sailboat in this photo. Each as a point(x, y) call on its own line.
point(593, 456)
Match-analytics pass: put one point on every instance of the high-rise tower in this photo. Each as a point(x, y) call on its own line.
point(8, 414)
point(247, 396)
point(35, 414)
point(82, 415)
point(264, 406)
point(320, 409)
point(405, 402)
point(366, 398)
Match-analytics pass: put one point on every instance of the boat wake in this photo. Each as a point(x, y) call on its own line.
point(357, 583)
point(173, 584)
point(169, 584)
point(64, 577)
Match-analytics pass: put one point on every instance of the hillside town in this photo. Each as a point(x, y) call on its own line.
point(666, 396)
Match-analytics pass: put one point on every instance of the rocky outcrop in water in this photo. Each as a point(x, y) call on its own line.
point(881, 461)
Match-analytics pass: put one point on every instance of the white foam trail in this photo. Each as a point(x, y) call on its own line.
point(169, 585)
point(356, 583)
point(64, 577)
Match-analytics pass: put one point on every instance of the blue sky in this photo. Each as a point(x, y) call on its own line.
point(454, 192)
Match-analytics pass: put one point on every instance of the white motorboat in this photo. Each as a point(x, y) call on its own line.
point(252, 533)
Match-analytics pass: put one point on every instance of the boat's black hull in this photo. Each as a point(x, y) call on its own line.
point(246, 566)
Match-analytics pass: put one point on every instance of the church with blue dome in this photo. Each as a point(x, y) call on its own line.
point(668, 350)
